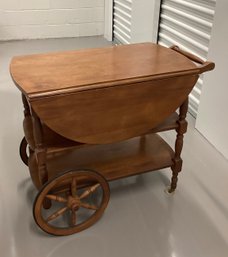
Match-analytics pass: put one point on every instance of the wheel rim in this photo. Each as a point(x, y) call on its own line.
point(74, 204)
point(23, 151)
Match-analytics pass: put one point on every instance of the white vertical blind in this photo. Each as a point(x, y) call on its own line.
point(122, 11)
point(188, 24)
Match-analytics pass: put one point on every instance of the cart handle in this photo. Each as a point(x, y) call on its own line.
point(206, 66)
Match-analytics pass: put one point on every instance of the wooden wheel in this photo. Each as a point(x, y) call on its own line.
point(79, 199)
point(23, 151)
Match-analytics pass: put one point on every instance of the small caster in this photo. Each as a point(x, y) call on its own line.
point(78, 198)
point(168, 191)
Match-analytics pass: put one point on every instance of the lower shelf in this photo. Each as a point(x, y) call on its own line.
point(127, 158)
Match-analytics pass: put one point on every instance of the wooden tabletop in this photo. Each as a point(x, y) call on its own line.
point(63, 72)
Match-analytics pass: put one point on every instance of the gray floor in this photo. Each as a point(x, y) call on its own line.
point(141, 220)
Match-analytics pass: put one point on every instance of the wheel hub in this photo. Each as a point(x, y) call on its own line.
point(73, 203)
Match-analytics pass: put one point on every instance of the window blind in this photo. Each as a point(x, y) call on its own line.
point(122, 10)
point(188, 24)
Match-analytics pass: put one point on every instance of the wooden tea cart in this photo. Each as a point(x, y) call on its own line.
point(92, 116)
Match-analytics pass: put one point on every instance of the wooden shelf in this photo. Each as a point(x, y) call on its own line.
point(126, 158)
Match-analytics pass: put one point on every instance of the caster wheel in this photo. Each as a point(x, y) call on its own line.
point(23, 151)
point(168, 191)
point(78, 198)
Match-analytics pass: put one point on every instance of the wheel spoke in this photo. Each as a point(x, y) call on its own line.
point(89, 206)
point(74, 187)
point(73, 218)
point(57, 198)
point(56, 214)
point(89, 191)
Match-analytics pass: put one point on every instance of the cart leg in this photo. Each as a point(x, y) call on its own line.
point(181, 130)
point(40, 153)
point(42, 172)
point(24, 144)
point(26, 106)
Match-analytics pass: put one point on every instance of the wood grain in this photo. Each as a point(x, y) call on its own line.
point(113, 161)
point(116, 113)
point(64, 72)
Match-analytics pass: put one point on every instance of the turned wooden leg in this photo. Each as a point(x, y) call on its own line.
point(42, 172)
point(26, 106)
point(24, 144)
point(181, 130)
point(40, 153)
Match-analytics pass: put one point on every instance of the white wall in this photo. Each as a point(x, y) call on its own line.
point(212, 120)
point(144, 20)
point(27, 19)
point(145, 17)
point(108, 19)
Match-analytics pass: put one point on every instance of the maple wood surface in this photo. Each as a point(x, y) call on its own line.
point(38, 74)
point(115, 113)
point(113, 161)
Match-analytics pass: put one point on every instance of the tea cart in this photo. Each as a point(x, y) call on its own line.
point(92, 116)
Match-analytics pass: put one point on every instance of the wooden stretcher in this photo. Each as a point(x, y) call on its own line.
point(93, 116)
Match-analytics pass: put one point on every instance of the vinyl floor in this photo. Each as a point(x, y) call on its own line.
point(141, 220)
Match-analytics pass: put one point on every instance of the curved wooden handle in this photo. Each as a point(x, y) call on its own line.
point(206, 66)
